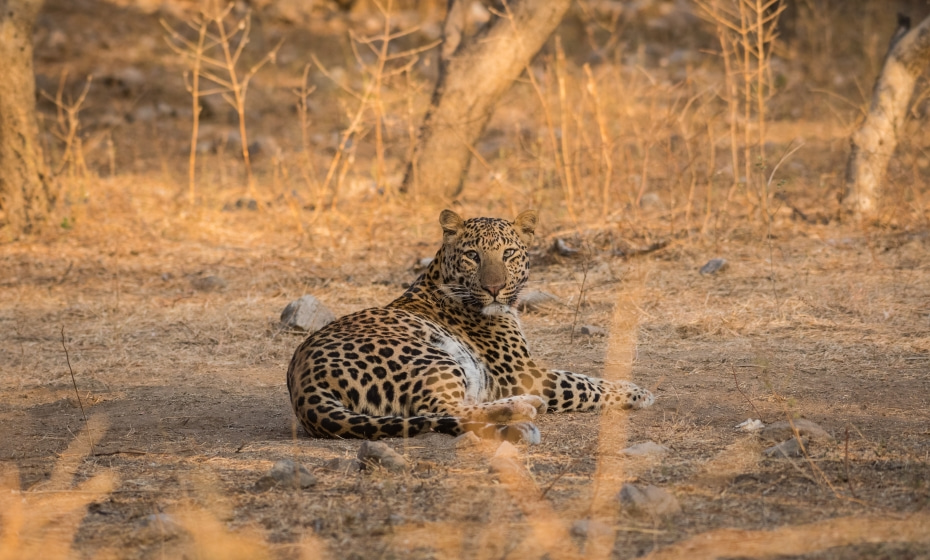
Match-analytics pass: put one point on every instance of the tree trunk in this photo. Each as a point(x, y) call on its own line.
point(25, 197)
point(875, 141)
point(474, 73)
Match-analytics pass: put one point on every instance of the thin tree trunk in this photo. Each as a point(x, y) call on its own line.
point(875, 141)
point(25, 197)
point(474, 73)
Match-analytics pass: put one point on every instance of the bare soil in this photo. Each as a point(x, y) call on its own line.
point(189, 389)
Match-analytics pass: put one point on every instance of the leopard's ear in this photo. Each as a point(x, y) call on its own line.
point(451, 223)
point(525, 224)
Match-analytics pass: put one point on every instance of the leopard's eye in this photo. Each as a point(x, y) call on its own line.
point(509, 253)
point(471, 255)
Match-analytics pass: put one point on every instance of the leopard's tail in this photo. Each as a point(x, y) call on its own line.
point(329, 418)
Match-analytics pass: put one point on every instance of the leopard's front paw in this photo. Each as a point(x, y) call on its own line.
point(525, 432)
point(534, 402)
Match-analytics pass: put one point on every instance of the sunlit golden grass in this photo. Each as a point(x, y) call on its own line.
point(40, 522)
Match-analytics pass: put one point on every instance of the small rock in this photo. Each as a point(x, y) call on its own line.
point(306, 314)
point(264, 146)
point(342, 465)
point(788, 448)
point(645, 449)
point(163, 522)
point(165, 110)
point(780, 431)
point(57, 39)
point(143, 113)
point(130, 79)
point(561, 248)
point(650, 500)
point(375, 453)
point(713, 266)
point(287, 474)
point(750, 425)
point(208, 283)
point(584, 528)
point(592, 330)
point(468, 439)
point(530, 301)
point(651, 200)
point(241, 204)
point(506, 450)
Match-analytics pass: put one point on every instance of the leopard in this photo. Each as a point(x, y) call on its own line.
point(449, 355)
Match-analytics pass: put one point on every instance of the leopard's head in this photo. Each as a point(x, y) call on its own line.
point(484, 263)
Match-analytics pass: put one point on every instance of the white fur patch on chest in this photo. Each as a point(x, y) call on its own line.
point(475, 378)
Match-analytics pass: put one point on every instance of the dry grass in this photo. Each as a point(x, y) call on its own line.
point(184, 388)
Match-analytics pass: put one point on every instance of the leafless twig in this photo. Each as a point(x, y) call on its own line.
point(76, 393)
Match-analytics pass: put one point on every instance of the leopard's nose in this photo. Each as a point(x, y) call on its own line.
point(493, 289)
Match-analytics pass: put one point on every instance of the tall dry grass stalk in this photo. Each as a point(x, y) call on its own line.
point(606, 147)
point(222, 70)
point(371, 108)
point(72, 164)
point(565, 115)
point(747, 30)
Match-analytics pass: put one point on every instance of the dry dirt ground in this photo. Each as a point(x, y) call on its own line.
point(185, 394)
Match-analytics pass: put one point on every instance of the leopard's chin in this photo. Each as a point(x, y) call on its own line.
point(496, 309)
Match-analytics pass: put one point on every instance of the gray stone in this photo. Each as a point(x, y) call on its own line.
point(645, 449)
point(306, 314)
point(287, 474)
point(264, 146)
point(780, 431)
point(208, 283)
point(562, 248)
point(585, 528)
point(788, 448)
point(375, 453)
point(163, 522)
point(130, 78)
point(241, 204)
point(650, 500)
point(713, 266)
point(466, 440)
point(343, 465)
point(530, 301)
point(592, 330)
point(506, 450)
point(750, 425)
point(143, 113)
